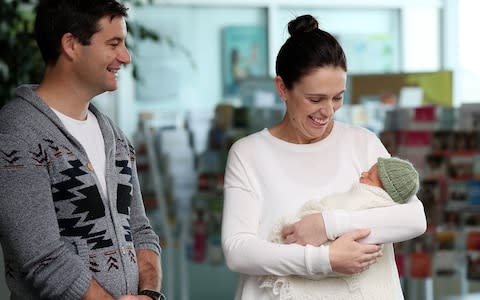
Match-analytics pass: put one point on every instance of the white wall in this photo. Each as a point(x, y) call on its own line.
point(421, 39)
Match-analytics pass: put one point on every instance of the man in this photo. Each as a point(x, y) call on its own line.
point(73, 224)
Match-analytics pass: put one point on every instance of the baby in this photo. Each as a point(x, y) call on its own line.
point(388, 182)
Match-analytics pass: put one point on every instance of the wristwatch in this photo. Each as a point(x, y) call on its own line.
point(152, 294)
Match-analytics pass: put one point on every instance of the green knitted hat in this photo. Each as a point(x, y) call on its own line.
point(399, 178)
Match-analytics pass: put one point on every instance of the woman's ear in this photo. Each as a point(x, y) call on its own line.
point(281, 88)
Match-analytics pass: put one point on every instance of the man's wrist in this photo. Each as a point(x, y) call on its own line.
point(154, 295)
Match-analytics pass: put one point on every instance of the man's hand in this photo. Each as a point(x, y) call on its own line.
point(348, 256)
point(309, 230)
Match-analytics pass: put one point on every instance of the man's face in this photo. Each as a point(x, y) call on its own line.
point(99, 63)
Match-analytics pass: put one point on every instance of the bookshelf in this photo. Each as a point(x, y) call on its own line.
point(445, 261)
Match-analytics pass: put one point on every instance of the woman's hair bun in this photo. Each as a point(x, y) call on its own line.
point(302, 24)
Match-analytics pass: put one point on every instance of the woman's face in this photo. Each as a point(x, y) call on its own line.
point(311, 104)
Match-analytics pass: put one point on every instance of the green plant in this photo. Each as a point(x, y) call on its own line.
point(20, 59)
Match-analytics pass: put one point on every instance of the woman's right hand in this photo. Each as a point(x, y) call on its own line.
point(348, 256)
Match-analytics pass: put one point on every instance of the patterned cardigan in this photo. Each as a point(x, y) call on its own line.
point(56, 229)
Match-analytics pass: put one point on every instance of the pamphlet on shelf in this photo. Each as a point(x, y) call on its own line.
point(410, 96)
point(473, 238)
point(446, 262)
point(469, 116)
point(473, 188)
point(457, 194)
point(473, 265)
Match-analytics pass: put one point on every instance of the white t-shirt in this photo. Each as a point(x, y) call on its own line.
point(88, 133)
point(267, 178)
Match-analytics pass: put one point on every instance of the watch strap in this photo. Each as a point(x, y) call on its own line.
point(152, 294)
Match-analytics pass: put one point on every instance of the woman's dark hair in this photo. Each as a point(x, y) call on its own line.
point(307, 48)
point(54, 18)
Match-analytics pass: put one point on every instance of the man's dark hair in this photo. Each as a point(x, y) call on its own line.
point(54, 18)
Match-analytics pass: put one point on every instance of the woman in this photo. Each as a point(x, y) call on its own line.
point(306, 156)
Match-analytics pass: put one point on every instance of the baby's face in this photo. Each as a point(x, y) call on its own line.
point(371, 177)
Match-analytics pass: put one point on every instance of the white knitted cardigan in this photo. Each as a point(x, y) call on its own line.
point(376, 283)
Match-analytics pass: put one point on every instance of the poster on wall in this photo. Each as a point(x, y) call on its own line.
point(369, 53)
point(244, 56)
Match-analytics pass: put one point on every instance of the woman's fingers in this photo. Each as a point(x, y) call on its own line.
point(287, 230)
point(357, 234)
point(289, 239)
point(349, 256)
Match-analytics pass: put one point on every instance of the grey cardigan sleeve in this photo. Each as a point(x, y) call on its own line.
point(143, 234)
point(29, 230)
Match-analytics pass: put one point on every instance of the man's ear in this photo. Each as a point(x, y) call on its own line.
point(281, 88)
point(69, 45)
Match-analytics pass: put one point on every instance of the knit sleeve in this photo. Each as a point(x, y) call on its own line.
point(245, 252)
point(144, 237)
point(388, 224)
point(29, 229)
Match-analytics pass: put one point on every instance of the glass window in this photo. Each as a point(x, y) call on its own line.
point(370, 37)
point(469, 51)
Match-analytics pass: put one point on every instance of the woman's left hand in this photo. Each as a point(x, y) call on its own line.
point(309, 230)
